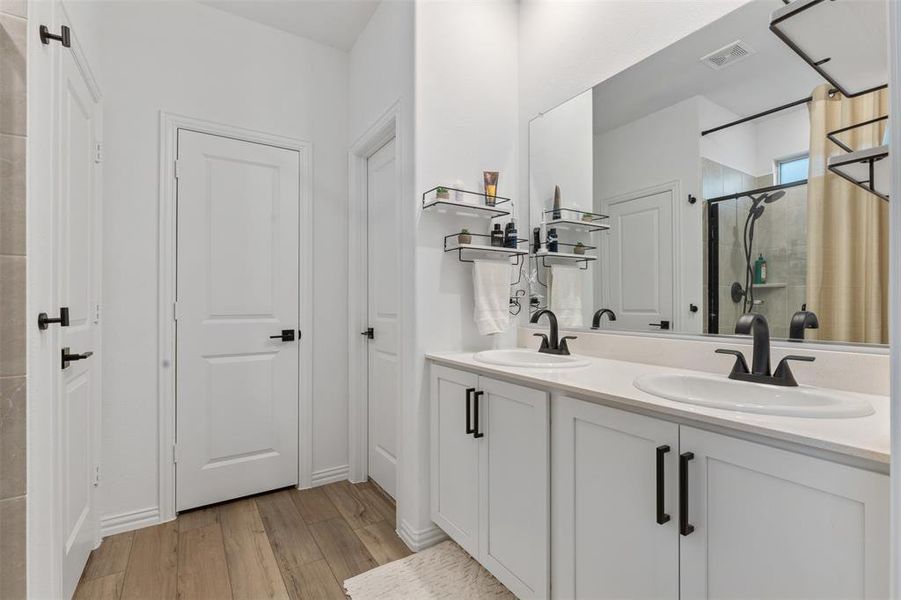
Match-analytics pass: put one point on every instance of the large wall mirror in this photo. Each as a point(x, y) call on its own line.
point(705, 182)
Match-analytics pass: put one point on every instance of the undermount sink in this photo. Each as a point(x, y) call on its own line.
point(721, 392)
point(529, 359)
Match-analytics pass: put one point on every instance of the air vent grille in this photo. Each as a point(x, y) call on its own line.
point(727, 55)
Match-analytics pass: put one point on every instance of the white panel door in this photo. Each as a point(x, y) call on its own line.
point(513, 485)
point(454, 457)
point(77, 269)
point(237, 287)
point(775, 524)
point(639, 261)
point(607, 538)
point(383, 286)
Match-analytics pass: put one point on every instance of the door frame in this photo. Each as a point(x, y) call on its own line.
point(674, 187)
point(44, 535)
point(383, 130)
point(170, 123)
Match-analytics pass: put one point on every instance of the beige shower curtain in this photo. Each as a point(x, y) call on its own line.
point(847, 235)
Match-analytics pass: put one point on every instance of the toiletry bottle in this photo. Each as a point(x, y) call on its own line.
point(510, 234)
point(497, 236)
point(556, 212)
point(536, 240)
point(552, 240)
point(760, 270)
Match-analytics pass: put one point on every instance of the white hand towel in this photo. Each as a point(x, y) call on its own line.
point(491, 288)
point(566, 295)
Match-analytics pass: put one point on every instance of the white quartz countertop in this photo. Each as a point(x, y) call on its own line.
point(865, 440)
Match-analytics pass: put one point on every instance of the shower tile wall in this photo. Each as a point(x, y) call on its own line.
point(780, 234)
point(12, 298)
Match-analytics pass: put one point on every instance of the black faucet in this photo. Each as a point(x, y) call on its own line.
point(801, 320)
point(596, 321)
point(552, 345)
point(756, 324)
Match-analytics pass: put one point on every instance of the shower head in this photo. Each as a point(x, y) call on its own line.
point(770, 198)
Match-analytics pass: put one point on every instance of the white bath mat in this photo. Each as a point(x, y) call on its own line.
point(442, 571)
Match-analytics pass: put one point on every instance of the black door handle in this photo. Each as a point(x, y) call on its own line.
point(63, 319)
point(662, 517)
point(469, 428)
point(684, 526)
point(287, 335)
point(68, 357)
point(370, 333)
point(661, 324)
point(475, 428)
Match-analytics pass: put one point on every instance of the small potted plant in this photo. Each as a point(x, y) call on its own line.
point(464, 237)
point(442, 193)
point(579, 248)
point(587, 217)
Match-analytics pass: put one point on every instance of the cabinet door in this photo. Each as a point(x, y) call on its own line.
point(605, 538)
point(455, 458)
point(514, 495)
point(770, 523)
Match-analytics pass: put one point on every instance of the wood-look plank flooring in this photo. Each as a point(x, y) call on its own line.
point(288, 544)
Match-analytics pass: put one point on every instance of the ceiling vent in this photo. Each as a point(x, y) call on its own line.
point(728, 55)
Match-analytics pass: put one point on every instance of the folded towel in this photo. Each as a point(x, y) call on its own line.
point(491, 288)
point(566, 295)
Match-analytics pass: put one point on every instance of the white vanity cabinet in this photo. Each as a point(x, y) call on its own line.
point(747, 521)
point(489, 475)
point(606, 541)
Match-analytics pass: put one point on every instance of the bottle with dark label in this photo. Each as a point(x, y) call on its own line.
point(497, 236)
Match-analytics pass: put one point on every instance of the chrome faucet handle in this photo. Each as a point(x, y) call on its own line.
point(741, 365)
point(544, 341)
point(784, 375)
point(564, 348)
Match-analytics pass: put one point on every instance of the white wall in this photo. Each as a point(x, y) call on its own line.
point(782, 135)
point(466, 122)
point(381, 67)
point(186, 58)
point(752, 147)
point(734, 147)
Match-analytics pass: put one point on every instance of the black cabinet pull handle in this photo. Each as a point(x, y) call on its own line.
point(369, 333)
point(68, 357)
point(44, 321)
point(475, 428)
point(469, 428)
point(287, 335)
point(685, 527)
point(662, 325)
point(662, 517)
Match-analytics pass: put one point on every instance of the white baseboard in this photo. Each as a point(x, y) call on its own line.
point(330, 475)
point(422, 539)
point(129, 521)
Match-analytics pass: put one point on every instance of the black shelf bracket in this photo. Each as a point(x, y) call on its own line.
point(64, 36)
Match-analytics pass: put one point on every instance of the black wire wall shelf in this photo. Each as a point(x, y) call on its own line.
point(806, 27)
point(543, 255)
point(867, 168)
point(452, 244)
point(478, 207)
point(571, 219)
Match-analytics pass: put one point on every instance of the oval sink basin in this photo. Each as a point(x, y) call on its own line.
point(529, 359)
point(721, 392)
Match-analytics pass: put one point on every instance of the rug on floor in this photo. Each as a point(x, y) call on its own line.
point(442, 571)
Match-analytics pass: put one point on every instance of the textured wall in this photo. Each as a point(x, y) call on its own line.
point(12, 298)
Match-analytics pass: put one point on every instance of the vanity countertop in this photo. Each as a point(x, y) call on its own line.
point(863, 440)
